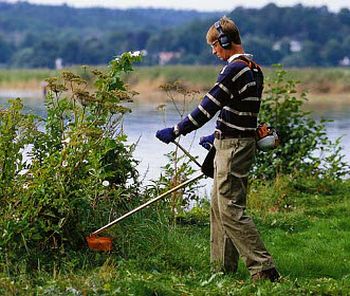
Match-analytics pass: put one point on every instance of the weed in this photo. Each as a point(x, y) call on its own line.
point(80, 172)
point(305, 147)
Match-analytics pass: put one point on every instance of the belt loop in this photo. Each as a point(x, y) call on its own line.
point(218, 135)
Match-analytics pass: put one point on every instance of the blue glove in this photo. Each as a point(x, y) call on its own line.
point(166, 135)
point(207, 141)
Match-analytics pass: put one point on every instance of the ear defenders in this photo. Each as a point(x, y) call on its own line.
point(224, 39)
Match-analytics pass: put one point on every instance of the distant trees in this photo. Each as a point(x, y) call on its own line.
point(5, 50)
point(36, 35)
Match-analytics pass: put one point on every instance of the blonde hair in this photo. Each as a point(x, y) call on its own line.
point(228, 27)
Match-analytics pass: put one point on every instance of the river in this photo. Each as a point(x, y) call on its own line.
point(145, 119)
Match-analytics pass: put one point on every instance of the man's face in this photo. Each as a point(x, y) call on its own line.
point(220, 52)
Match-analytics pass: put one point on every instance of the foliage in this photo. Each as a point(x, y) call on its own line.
point(35, 35)
point(305, 149)
point(178, 169)
point(79, 173)
point(166, 260)
point(16, 132)
point(197, 215)
point(48, 32)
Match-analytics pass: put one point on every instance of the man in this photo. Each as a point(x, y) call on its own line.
point(236, 96)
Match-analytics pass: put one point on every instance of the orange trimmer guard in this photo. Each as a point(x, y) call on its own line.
point(99, 243)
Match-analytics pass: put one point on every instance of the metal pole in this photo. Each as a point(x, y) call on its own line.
point(147, 204)
point(188, 154)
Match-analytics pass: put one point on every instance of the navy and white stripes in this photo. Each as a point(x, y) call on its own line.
point(236, 94)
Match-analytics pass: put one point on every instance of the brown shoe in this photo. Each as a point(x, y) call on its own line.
point(268, 274)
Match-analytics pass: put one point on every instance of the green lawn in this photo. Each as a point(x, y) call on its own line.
point(306, 228)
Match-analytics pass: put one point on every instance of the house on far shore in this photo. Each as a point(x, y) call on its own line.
point(345, 62)
point(165, 57)
point(59, 64)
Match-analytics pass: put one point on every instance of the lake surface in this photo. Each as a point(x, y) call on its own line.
point(145, 119)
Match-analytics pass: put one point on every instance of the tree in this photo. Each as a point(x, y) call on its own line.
point(262, 50)
point(5, 51)
point(332, 53)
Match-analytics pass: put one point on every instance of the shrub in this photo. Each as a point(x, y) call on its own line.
point(306, 149)
point(79, 170)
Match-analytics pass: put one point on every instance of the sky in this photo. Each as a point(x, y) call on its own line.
point(200, 5)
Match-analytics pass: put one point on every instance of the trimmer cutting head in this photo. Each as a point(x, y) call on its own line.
point(99, 243)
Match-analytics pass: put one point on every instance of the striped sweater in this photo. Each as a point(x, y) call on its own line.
point(236, 94)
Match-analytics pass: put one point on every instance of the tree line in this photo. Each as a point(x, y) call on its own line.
point(37, 35)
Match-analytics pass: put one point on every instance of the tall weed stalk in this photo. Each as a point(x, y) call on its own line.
point(179, 168)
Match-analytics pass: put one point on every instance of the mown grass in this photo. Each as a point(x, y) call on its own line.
point(304, 222)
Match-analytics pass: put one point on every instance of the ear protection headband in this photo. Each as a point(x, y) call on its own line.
point(224, 39)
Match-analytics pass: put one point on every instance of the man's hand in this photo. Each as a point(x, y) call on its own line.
point(166, 135)
point(207, 141)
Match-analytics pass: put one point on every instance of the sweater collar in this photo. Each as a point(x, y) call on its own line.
point(235, 56)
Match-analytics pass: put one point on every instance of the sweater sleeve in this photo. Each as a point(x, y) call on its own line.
point(212, 102)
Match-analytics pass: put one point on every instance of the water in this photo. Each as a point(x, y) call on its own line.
point(142, 124)
point(145, 120)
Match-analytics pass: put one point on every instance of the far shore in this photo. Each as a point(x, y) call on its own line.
point(326, 87)
point(154, 96)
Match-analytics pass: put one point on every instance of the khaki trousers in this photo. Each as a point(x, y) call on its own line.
point(233, 233)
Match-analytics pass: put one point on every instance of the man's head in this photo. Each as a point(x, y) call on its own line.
point(224, 38)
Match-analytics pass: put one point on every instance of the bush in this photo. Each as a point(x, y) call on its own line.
point(306, 149)
point(79, 173)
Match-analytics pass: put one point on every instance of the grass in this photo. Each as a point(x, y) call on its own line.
point(24, 78)
point(197, 76)
point(327, 87)
point(319, 80)
point(28, 78)
point(322, 80)
point(304, 225)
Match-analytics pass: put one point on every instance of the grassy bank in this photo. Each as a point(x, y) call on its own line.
point(316, 80)
point(24, 78)
point(322, 80)
point(304, 224)
point(326, 86)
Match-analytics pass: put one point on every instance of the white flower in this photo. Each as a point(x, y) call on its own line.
point(64, 163)
point(66, 141)
point(136, 53)
point(85, 161)
point(72, 291)
point(105, 183)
